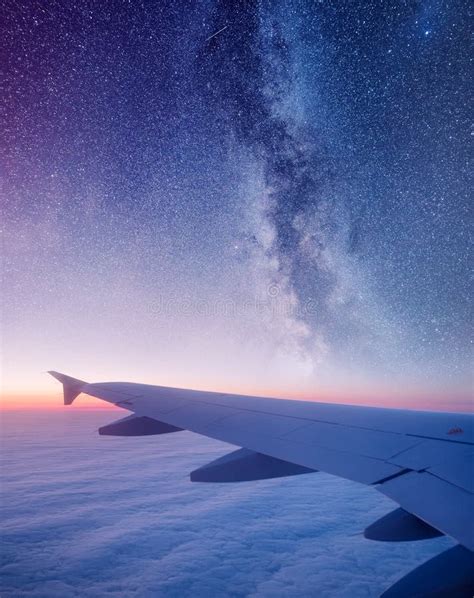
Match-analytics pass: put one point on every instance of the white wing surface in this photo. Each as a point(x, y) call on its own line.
point(424, 461)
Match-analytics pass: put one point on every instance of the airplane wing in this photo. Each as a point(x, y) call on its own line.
point(423, 461)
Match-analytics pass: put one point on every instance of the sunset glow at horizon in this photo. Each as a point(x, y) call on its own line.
point(53, 400)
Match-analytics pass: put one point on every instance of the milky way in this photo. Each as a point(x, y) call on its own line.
point(247, 195)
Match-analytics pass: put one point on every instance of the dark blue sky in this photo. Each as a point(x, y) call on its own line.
point(282, 206)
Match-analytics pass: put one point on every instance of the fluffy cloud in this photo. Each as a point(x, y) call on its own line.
point(85, 515)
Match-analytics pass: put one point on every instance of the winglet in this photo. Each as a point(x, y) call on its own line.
point(72, 387)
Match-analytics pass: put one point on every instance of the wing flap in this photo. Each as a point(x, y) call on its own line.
point(442, 505)
point(452, 462)
point(369, 443)
point(459, 472)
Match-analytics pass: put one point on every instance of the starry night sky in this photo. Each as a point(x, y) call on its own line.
point(262, 197)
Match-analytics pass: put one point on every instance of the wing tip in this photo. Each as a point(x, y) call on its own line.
point(72, 387)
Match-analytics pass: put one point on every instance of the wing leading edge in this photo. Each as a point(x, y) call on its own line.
point(424, 461)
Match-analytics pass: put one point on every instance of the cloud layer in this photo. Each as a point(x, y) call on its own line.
point(85, 515)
